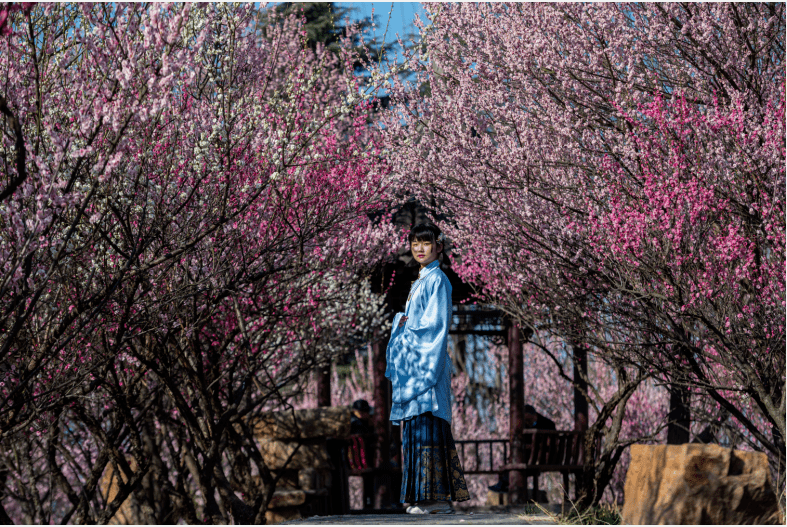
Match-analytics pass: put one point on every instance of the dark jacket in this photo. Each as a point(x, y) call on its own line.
point(543, 423)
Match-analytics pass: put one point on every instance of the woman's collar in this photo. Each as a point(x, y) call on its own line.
point(428, 268)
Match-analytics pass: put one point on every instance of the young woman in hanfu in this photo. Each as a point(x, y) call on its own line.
point(420, 368)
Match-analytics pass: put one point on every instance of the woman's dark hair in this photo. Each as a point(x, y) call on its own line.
point(424, 232)
point(430, 232)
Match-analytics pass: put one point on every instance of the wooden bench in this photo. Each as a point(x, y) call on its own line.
point(549, 451)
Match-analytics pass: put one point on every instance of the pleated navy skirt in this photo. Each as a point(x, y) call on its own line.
point(430, 466)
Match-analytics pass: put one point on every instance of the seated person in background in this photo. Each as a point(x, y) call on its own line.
point(360, 420)
point(360, 425)
point(532, 419)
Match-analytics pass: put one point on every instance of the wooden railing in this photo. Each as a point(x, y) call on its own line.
point(482, 456)
point(543, 451)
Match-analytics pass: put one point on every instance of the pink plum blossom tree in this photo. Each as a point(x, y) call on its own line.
point(614, 175)
point(186, 232)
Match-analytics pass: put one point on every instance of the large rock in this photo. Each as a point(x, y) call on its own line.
point(282, 515)
point(698, 484)
point(287, 498)
point(304, 424)
point(275, 454)
point(109, 485)
point(288, 479)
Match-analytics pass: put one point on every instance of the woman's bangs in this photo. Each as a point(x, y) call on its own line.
point(427, 236)
point(423, 233)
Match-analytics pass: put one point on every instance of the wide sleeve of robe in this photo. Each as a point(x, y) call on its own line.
point(417, 353)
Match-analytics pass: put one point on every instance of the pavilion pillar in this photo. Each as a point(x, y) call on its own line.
point(381, 397)
point(517, 482)
point(323, 382)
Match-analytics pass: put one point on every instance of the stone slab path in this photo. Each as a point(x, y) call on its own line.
point(458, 518)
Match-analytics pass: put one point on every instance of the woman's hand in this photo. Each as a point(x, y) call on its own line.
point(402, 321)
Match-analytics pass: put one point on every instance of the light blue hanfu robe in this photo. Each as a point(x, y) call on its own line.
point(418, 363)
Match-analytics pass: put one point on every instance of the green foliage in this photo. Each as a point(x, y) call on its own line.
point(326, 22)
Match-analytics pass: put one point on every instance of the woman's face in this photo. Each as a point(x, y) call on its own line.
point(425, 252)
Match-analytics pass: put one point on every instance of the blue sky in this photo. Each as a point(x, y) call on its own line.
point(401, 22)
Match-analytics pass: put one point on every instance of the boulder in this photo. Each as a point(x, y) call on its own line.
point(304, 424)
point(275, 454)
point(282, 515)
point(698, 484)
point(109, 485)
point(288, 479)
point(287, 498)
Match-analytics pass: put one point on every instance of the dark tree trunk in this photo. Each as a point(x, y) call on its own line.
point(580, 387)
point(679, 417)
point(324, 386)
point(5, 519)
